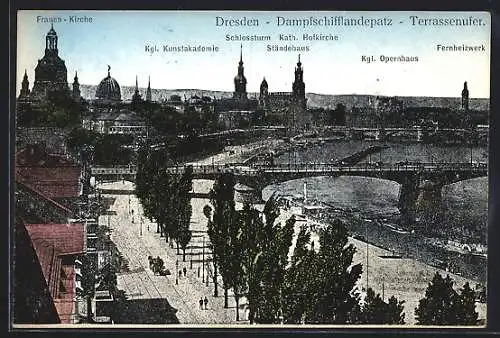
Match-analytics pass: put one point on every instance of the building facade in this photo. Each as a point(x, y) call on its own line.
point(280, 100)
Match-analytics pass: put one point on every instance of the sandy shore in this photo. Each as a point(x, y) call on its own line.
point(236, 154)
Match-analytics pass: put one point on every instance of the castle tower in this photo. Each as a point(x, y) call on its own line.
point(299, 87)
point(465, 97)
point(137, 95)
point(148, 91)
point(76, 87)
point(25, 87)
point(240, 82)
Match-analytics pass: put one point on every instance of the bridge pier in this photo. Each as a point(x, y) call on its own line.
point(429, 212)
point(408, 194)
point(246, 194)
point(380, 135)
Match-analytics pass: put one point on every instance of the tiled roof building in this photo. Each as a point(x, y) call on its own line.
point(53, 175)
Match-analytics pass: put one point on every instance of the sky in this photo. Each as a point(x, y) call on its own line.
point(118, 39)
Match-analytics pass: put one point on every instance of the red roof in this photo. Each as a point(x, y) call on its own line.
point(20, 181)
point(50, 262)
point(53, 175)
point(51, 242)
point(35, 155)
point(67, 238)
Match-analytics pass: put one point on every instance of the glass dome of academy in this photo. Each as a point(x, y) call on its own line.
point(50, 72)
point(108, 89)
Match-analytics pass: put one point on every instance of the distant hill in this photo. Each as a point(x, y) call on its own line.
point(313, 100)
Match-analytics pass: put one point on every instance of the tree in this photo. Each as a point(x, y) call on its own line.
point(207, 211)
point(329, 294)
point(297, 291)
point(79, 138)
point(442, 305)
point(184, 209)
point(467, 309)
point(276, 244)
point(253, 237)
point(224, 214)
point(184, 239)
point(337, 278)
point(237, 247)
point(376, 311)
point(154, 188)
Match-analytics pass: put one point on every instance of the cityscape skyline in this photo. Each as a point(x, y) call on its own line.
point(330, 71)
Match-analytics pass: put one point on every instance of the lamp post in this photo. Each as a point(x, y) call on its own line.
point(366, 240)
point(206, 279)
point(176, 272)
point(191, 258)
point(140, 227)
point(203, 262)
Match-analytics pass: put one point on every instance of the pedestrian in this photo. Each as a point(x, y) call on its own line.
point(205, 302)
point(201, 303)
point(184, 270)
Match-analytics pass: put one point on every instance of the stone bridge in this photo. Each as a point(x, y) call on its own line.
point(417, 180)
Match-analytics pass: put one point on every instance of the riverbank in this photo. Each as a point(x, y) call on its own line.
point(390, 273)
point(387, 274)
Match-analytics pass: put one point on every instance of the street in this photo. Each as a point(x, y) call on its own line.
point(136, 244)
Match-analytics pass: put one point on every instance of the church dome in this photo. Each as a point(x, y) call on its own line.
point(108, 89)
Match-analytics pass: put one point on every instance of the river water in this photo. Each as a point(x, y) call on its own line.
point(370, 204)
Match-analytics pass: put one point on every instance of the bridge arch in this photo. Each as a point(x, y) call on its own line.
point(409, 176)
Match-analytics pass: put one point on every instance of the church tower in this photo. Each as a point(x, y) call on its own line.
point(240, 82)
point(465, 97)
point(51, 42)
point(50, 73)
point(148, 91)
point(299, 87)
point(25, 87)
point(137, 95)
point(76, 88)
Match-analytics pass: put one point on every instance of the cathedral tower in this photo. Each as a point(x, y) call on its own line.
point(299, 87)
point(25, 87)
point(264, 94)
point(137, 95)
point(148, 91)
point(240, 82)
point(76, 88)
point(465, 97)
